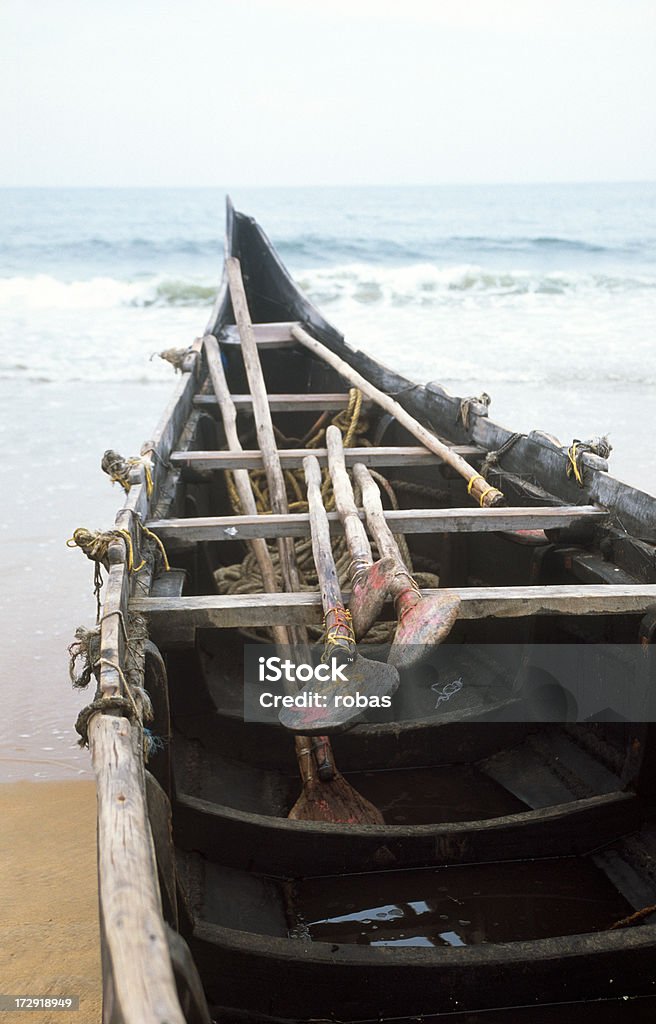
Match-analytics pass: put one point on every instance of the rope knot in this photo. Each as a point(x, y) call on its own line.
point(466, 407)
point(119, 470)
point(175, 356)
point(599, 446)
point(338, 633)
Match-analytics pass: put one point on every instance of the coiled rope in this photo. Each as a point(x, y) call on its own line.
point(245, 577)
point(85, 659)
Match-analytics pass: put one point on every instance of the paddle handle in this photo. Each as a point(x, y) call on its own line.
point(355, 533)
point(331, 595)
point(478, 487)
point(402, 588)
point(373, 508)
point(321, 546)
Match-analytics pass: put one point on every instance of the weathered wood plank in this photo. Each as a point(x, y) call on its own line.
point(234, 610)
point(292, 458)
point(114, 621)
point(428, 520)
point(273, 335)
point(137, 948)
point(283, 402)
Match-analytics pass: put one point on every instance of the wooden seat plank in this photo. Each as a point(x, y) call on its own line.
point(270, 335)
point(182, 614)
point(292, 458)
point(289, 402)
point(423, 520)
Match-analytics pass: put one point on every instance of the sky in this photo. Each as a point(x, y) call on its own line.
point(342, 92)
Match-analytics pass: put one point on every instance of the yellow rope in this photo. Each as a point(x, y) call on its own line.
point(353, 415)
point(158, 542)
point(128, 544)
point(487, 491)
point(476, 476)
point(344, 640)
point(95, 545)
point(573, 457)
point(118, 470)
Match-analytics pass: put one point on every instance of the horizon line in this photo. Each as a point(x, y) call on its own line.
point(343, 185)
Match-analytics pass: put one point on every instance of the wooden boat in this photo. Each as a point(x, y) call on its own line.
point(518, 806)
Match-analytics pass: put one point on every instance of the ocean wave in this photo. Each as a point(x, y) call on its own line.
point(422, 283)
point(426, 283)
point(42, 291)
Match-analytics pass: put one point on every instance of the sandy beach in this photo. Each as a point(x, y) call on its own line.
point(48, 897)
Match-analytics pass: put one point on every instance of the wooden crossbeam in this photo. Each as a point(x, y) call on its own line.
point(423, 520)
point(247, 610)
point(282, 402)
point(292, 458)
point(273, 335)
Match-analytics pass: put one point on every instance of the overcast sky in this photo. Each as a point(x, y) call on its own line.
point(298, 92)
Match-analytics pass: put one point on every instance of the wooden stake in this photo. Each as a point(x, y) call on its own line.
point(477, 486)
point(262, 416)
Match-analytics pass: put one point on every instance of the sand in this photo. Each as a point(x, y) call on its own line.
point(48, 898)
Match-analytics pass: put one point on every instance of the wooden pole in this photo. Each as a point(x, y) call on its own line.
point(356, 535)
point(369, 580)
point(477, 485)
point(262, 415)
point(241, 477)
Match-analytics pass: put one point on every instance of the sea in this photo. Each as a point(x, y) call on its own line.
point(543, 296)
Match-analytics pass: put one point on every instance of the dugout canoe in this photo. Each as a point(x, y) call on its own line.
point(518, 805)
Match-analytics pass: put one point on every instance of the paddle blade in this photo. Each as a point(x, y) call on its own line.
point(334, 802)
point(337, 705)
point(369, 593)
point(422, 627)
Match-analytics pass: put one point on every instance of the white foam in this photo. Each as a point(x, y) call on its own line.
point(42, 291)
point(424, 283)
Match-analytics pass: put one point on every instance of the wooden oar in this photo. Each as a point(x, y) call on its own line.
point(477, 485)
point(304, 746)
point(354, 684)
point(423, 622)
point(369, 580)
point(322, 799)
